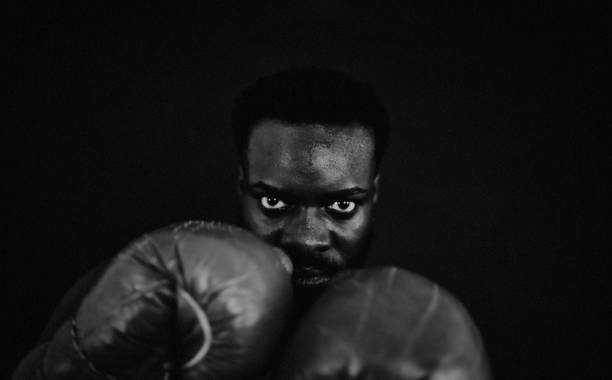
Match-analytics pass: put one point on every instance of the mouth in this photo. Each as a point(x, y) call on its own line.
point(311, 277)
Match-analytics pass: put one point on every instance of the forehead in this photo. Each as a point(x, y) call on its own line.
point(310, 154)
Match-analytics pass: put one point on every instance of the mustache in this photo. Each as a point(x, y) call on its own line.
point(327, 261)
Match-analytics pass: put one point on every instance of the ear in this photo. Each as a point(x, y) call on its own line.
point(375, 188)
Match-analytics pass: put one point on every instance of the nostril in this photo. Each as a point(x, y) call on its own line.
point(310, 246)
point(305, 241)
point(303, 254)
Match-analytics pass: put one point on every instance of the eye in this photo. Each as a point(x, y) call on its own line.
point(342, 207)
point(271, 203)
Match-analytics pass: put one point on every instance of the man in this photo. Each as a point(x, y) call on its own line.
point(311, 141)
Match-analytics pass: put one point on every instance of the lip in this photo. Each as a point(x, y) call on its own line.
point(310, 276)
point(311, 281)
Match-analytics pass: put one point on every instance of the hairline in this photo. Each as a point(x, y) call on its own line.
point(288, 124)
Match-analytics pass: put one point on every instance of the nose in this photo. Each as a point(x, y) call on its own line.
point(306, 232)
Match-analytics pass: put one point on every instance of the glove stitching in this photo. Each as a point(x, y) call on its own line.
point(182, 279)
point(81, 353)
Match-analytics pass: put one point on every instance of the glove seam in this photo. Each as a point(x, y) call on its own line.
point(81, 353)
point(40, 373)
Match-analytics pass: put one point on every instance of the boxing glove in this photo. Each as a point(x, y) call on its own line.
point(385, 324)
point(194, 301)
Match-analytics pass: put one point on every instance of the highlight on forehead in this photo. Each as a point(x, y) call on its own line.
point(305, 147)
point(272, 133)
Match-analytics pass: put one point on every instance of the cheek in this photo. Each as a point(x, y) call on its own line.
point(351, 235)
point(256, 222)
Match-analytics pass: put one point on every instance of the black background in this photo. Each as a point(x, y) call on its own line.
point(494, 184)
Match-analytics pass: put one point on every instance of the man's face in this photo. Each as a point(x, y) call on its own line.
point(310, 189)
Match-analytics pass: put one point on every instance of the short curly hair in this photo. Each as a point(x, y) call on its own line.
point(309, 95)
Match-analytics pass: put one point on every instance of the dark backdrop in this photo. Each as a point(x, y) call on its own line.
point(493, 186)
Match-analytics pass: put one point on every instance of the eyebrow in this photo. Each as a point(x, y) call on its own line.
point(261, 187)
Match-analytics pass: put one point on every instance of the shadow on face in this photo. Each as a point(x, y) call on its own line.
point(310, 189)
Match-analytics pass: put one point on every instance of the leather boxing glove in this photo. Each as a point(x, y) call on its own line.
point(383, 324)
point(194, 301)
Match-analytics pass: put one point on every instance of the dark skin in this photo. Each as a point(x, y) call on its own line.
point(311, 190)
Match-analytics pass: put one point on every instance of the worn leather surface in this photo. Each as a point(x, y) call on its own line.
point(197, 300)
point(386, 323)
